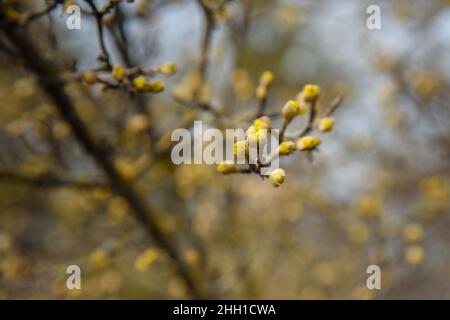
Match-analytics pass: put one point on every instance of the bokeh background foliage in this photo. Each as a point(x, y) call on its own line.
point(377, 192)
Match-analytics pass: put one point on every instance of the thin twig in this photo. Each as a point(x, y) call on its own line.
point(333, 106)
point(98, 15)
point(261, 106)
point(210, 24)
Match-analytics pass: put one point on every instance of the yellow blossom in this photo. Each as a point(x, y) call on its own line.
point(286, 148)
point(137, 123)
point(308, 143)
point(266, 78)
point(140, 83)
point(118, 72)
point(369, 206)
point(241, 149)
point(192, 257)
point(302, 107)
point(226, 167)
point(358, 233)
point(414, 255)
point(11, 14)
point(263, 123)
point(413, 232)
point(257, 134)
point(157, 86)
point(261, 92)
point(90, 77)
point(276, 177)
point(168, 68)
point(311, 92)
point(117, 209)
point(99, 259)
point(146, 259)
point(326, 124)
point(290, 110)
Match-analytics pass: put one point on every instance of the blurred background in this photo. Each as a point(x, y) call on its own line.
point(377, 192)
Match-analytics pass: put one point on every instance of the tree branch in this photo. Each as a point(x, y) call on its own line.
point(48, 180)
point(53, 85)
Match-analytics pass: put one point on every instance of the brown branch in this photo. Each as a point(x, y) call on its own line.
point(98, 15)
point(109, 6)
point(48, 180)
point(210, 24)
point(52, 84)
point(312, 117)
point(40, 13)
point(283, 130)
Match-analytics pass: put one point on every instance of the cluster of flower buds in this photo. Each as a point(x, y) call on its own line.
point(305, 102)
point(307, 143)
point(286, 148)
point(256, 133)
point(136, 78)
point(168, 68)
point(302, 104)
point(141, 84)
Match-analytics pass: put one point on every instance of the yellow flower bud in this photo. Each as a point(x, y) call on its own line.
point(308, 143)
point(192, 257)
point(140, 84)
point(358, 233)
point(257, 134)
point(146, 259)
point(168, 68)
point(326, 124)
point(252, 133)
point(286, 148)
point(12, 15)
point(261, 92)
point(157, 86)
point(90, 77)
point(311, 92)
point(226, 167)
point(290, 110)
point(138, 123)
point(302, 107)
point(241, 149)
point(413, 232)
point(414, 255)
point(266, 78)
point(263, 123)
point(68, 3)
point(276, 177)
point(251, 130)
point(99, 259)
point(118, 72)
